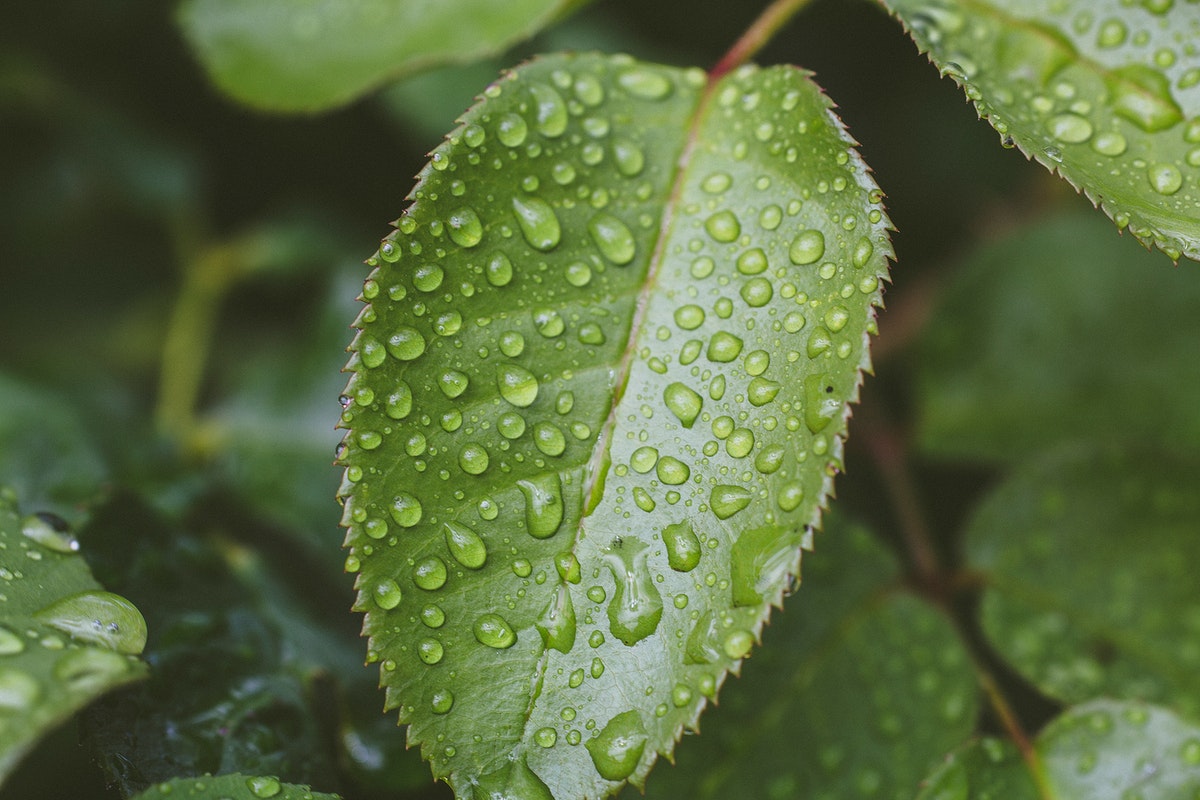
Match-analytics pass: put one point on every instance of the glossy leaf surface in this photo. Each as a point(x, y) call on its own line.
point(1087, 556)
point(63, 639)
point(597, 400)
point(231, 787)
point(859, 690)
point(1105, 93)
point(283, 57)
point(1102, 750)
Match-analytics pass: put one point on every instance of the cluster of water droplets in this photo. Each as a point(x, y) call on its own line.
point(1107, 94)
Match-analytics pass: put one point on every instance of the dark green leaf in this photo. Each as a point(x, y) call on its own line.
point(598, 396)
point(63, 639)
point(271, 54)
point(1088, 558)
point(985, 769)
point(231, 787)
point(1059, 333)
point(1105, 93)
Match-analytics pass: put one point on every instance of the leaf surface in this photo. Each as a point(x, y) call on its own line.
point(274, 55)
point(598, 397)
point(231, 787)
point(1087, 558)
point(860, 691)
point(1102, 750)
point(1105, 93)
point(63, 639)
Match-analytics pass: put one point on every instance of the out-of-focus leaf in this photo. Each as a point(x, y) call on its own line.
point(46, 453)
point(1106, 93)
point(231, 787)
point(856, 692)
point(1088, 558)
point(1102, 750)
point(1060, 333)
point(283, 57)
point(64, 641)
point(597, 397)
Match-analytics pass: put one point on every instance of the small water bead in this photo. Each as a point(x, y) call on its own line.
point(752, 262)
point(548, 322)
point(790, 496)
point(549, 439)
point(578, 274)
point(369, 440)
point(511, 130)
point(453, 383)
point(473, 458)
point(643, 459)
point(716, 183)
point(645, 83)
point(597, 668)
point(1112, 33)
point(97, 617)
point(612, 238)
point(545, 737)
point(1110, 144)
point(589, 90)
point(264, 786)
point(1069, 128)
point(723, 226)
point(716, 389)
point(466, 230)
point(1165, 178)
point(757, 292)
point(406, 344)
point(738, 644)
point(428, 277)
point(689, 317)
point(415, 445)
point(702, 267)
point(430, 650)
point(494, 631)
point(683, 402)
point(551, 111)
point(836, 318)
point(389, 251)
point(628, 157)
point(591, 333)
point(517, 385)
point(562, 173)
point(618, 749)
point(442, 701)
point(726, 500)
point(511, 425)
point(672, 471)
point(807, 247)
point(465, 545)
point(406, 509)
point(690, 351)
point(740, 442)
point(538, 222)
point(564, 403)
point(591, 154)
point(447, 323)
point(724, 347)
point(761, 391)
point(512, 344)
point(430, 573)
point(432, 616)
point(770, 459)
point(473, 135)
point(499, 269)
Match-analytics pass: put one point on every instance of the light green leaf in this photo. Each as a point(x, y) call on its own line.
point(1103, 750)
point(1106, 93)
point(598, 399)
point(63, 639)
point(231, 787)
point(858, 692)
point(278, 56)
point(1087, 558)
point(1055, 334)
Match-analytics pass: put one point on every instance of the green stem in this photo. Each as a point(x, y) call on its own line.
point(773, 17)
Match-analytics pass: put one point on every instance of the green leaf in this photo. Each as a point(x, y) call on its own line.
point(1103, 750)
point(271, 54)
point(1056, 334)
point(63, 639)
point(231, 787)
point(1105, 93)
point(858, 692)
point(598, 398)
point(1087, 557)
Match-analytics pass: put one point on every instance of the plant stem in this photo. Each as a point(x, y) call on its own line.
point(773, 17)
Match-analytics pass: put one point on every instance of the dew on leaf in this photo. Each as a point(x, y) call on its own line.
point(689, 317)
point(684, 403)
point(548, 322)
point(97, 617)
point(636, 606)
point(645, 83)
point(428, 277)
point(807, 247)
point(406, 344)
point(538, 222)
point(628, 157)
point(264, 786)
point(752, 262)
point(517, 385)
point(556, 624)
point(50, 531)
point(683, 546)
point(513, 781)
point(511, 130)
point(790, 496)
point(740, 442)
point(430, 573)
point(578, 274)
point(612, 238)
point(726, 500)
point(473, 458)
point(442, 701)
point(406, 510)
point(738, 644)
point(543, 504)
point(568, 568)
point(1069, 128)
point(643, 459)
point(465, 228)
point(716, 183)
point(549, 439)
point(770, 459)
point(551, 110)
point(387, 594)
point(1165, 178)
point(453, 383)
point(499, 269)
point(723, 226)
point(761, 391)
point(672, 471)
point(724, 347)
point(430, 650)
point(494, 631)
point(89, 670)
point(1142, 95)
point(511, 425)
point(618, 749)
point(757, 292)
point(432, 616)
point(465, 545)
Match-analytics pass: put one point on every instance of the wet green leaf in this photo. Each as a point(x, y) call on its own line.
point(271, 54)
point(1102, 750)
point(859, 692)
point(1087, 557)
point(1055, 334)
point(64, 641)
point(1106, 93)
point(231, 787)
point(597, 398)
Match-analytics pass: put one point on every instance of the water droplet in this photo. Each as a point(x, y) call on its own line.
point(760, 563)
point(543, 504)
point(513, 781)
point(790, 496)
point(50, 531)
point(752, 262)
point(689, 317)
point(18, 691)
point(511, 425)
point(465, 545)
point(683, 547)
point(511, 130)
point(578, 274)
point(1109, 144)
point(430, 650)
point(432, 616)
point(613, 238)
point(568, 568)
point(406, 344)
point(1069, 128)
point(738, 644)
point(548, 322)
point(723, 226)
point(406, 510)
point(428, 277)
point(387, 594)
point(717, 182)
point(442, 701)
point(726, 500)
point(724, 347)
point(628, 157)
point(493, 630)
point(643, 459)
point(499, 269)
point(453, 383)
point(1112, 33)
point(684, 403)
point(757, 292)
point(549, 439)
point(1142, 95)
point(807, 248)
point(538, 222)
point(263, 786)
point(636, 607)
point(761, 391)
point(473, 458)
point(545, 737)
point(1165, 178)
point(672, 471)
point(430, 573)
point(551, 118)
point(618, 749)
point(740, 442)
point(102, 618)
point(557, 622)
point(517, 385)
point(465, 228)
point(645, 83)
point(770, 459)
point(90, 670)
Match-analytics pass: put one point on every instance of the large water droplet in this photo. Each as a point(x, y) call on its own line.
point(538, 222)
point(406, 510)
point(683, 547)
point(50, 531)
point(1165, 178)
point(513, 781)
point(557, 622)
point(636, 606)
point(465, 228)
point(761, 391)
point(549, 438)
point(613, 238)
point(551, 115)
point(645, 83)
point(723, 226)
point(760, 563)
point(264, 786)
point(807, 248)
point(441, 701)
point(726, 500)
point(1069, 128)
point(543, 504)
point(821, 404)
point(430, 573)
point(465, 545)
point(101, 618)
point(1142, 95)
point(628, 157)
point(517, 385)
point(387, 594)
point(494, 631)
point(499, 269)
point(511, 130)
point(430, 650)
point(684, 403)
point(724, 347)
point(618, 749)
point(672, 471)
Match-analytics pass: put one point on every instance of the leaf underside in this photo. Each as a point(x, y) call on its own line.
point(277, 57)
point(1105, 93)
point(598, 399)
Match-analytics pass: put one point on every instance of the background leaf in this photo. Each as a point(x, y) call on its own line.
point(1086, 556)
point(1105, 93)
point(231, 787)
point(270, 54)
point(63, 639)
point(629, 555)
